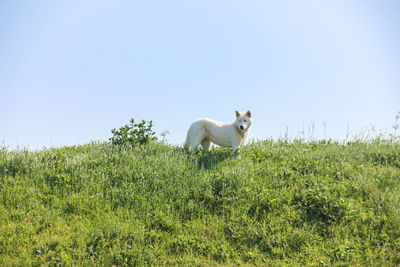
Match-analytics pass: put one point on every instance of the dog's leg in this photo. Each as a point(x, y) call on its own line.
point(235, 150)
point(206, 144)
point(194, 142)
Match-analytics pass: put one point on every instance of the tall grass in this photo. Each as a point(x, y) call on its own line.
point(284, 202)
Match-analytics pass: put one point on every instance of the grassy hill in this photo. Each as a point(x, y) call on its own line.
point(318, 203)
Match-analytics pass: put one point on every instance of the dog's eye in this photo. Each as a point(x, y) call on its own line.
point(245, 120)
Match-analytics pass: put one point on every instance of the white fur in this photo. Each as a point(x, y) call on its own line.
point(205, 131)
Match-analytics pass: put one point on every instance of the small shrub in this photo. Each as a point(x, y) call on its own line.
point(133, 133)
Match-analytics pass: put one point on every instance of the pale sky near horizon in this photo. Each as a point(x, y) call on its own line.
point(70, 71)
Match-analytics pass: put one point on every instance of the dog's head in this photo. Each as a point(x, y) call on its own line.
point(243, 120)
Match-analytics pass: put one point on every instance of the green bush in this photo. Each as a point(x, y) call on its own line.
point(133, 133)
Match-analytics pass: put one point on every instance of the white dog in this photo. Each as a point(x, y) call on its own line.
point(205, 131)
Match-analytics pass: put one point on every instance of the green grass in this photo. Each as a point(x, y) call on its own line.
point(283, 203)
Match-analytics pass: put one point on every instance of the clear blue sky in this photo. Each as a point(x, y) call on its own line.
point(70, 71)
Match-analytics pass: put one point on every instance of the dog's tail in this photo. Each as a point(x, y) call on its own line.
point(187, 142)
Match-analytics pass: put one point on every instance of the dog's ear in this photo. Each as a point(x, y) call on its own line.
point(248, 113)
point(237, 114)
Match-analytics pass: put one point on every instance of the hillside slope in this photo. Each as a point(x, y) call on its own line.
point(282, 203)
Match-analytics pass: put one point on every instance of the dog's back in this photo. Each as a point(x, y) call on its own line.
point(202, 129)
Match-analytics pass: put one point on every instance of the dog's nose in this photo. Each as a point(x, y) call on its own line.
point(241, 127)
